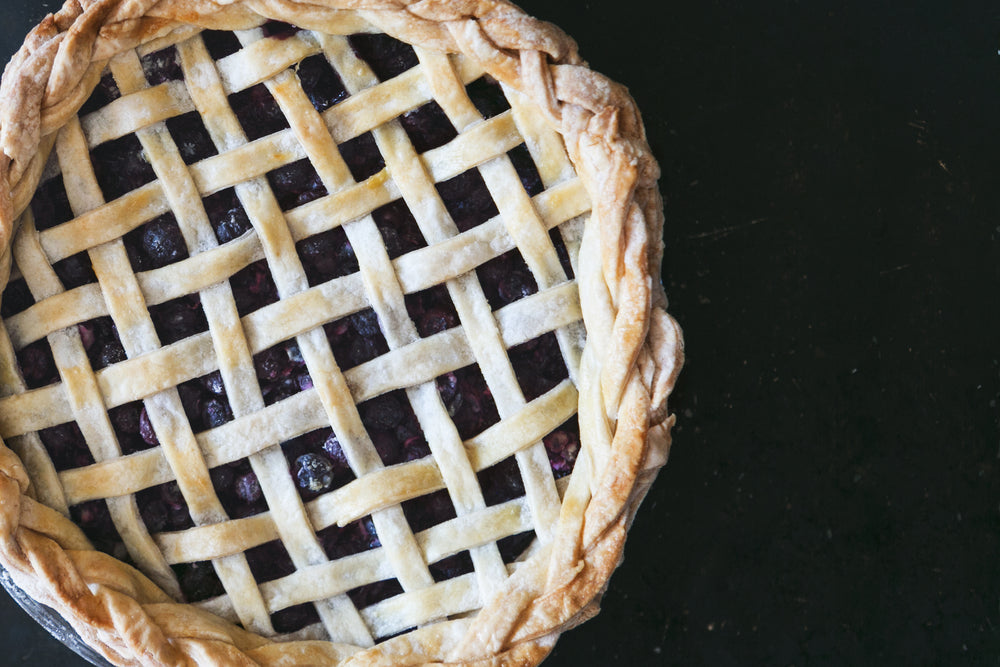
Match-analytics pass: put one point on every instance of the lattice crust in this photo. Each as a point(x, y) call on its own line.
point(448, 585)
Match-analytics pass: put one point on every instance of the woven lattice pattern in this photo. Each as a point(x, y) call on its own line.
point(214, 275)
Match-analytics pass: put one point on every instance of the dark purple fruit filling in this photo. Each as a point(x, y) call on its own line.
point(428, 127)
point(163, 508)
point(238, 489)
point(326, 256)
point(506, 279)
point(526, 170)
point(162, 66)
point(467, 199)
point(321, 82)
point(220, 43)
point(75, 271)
point(563, 446)
point(366, 596)
point(126, 420)
point(198, 581)
point(501, 482)
point(227, 215)
point(296, 184)
point(452, 566)
point(37, 365)
point(104, 94)
point(66, 446)
point(487, 95)
point(121, 166)
point(192, 137)
point(393, 428)
point(257, 112)
point(561, 252)
point(356, 339)
point(94, 519)
point(362, 156)
point(50, 204)
point(204, 408)
point(281, 371)
point(317, 463)
point(430, 510)
point(514, 545)
point(269, 561)
point(100, 339)
point(155, 244)
point(386, 56)
point(538, 365)
point(179, 318)
point(398, 228)
point(295, 618)
point(253, 288)
point(354, 538)
point(279, 29)
point(432, 310)
point(469, 401)
point(16, 298)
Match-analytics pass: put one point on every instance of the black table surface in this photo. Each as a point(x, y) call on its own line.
point(830, 175)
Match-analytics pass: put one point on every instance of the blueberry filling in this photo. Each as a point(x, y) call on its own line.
point(452, 566)
point(326, 256)
point(514, 545)
point(362, 156)
point(126, 420)
point(321, 82)
point(279, 29)
point(94, 519)
point(398, 228)
point(121, 166)
point(487, 96)
point(393, 428)
point(432, 310)
point(75, 271)
point(354, 538)
point(366, 596)
point(191, 136)
point(179, 318)
point(38, 368)
point(501, 482)
point(317, 463)
point(238, 489)
point(356, 339)
point(561, 252)
point(227, 215)
point(269, 561)
point(428, 127)
point(50, 204)
point(100, 341)
point(253, 288)
point(281, 372)
point(506, 279)
point(104, 94)
point(467, 199)
point(538, 365)
point(526, 169)
point(258, 113)
point(155, 244)
point(296, 184)
point(295, 618)
point(220, 43)
point(16, 298)
point(469, 401)
point(162, 66)
point(430, 510)
point(163, 508)
point(66, 446)
point(198, 581)
point(562, 447)
point(204, 408)
point(386, 56)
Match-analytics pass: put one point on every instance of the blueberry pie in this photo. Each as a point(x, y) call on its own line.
point(332, 332)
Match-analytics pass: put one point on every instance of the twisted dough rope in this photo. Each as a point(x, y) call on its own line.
point(633, 346)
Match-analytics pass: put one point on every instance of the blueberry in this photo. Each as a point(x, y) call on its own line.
point(388, 57)
point(215, 412)
point(16, 298)
point(487, 96)
point(37, 365)
point(248, 488)
point(383, 412)
point(163, 242)
point(365, 323)
point(198, 581)
point(232, 224)
point(111, 353)
point(428, 127)
point(335, 451)
point(320, 82)
point(146, 431)
point(162, 66)
point(435, 321)
point(314, 473)
point(75, 271)
point(213, 383)
point(517, 285)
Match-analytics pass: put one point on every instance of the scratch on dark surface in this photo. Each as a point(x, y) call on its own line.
point(893, 269)
point(726, 231)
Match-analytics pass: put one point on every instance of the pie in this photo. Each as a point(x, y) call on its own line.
point(332, 331)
